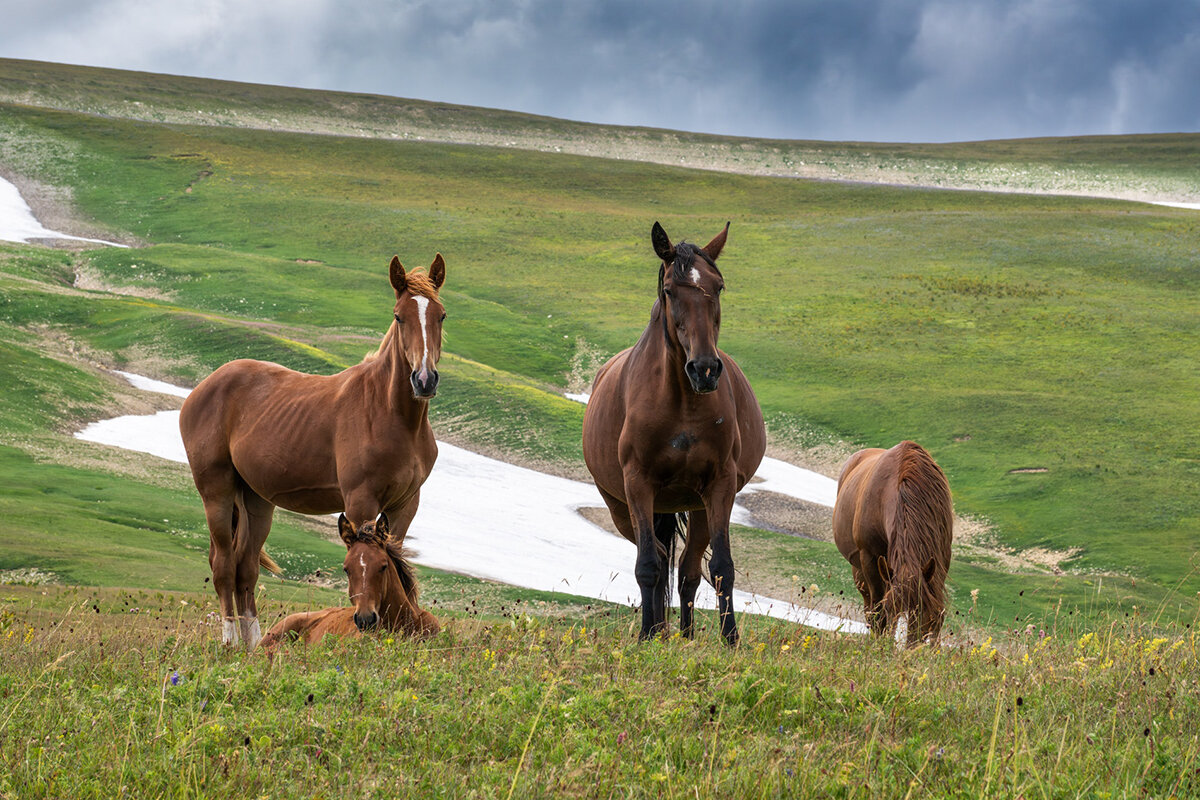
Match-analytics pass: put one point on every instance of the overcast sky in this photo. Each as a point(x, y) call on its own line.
point(881, 70)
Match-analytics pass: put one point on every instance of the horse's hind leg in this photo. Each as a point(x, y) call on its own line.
point(253, 527)
point(873, 589)
point(689, 570)
point(217, 491)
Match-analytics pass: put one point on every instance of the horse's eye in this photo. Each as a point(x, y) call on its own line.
point(667, 292)
point(383, 568)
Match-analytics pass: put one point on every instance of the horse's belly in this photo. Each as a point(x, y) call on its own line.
point(673, 499)
point(309, 501)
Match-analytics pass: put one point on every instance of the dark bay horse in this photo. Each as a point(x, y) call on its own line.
point(893, 522)
point(672, 426)
point(259, 435)
point(383, 589)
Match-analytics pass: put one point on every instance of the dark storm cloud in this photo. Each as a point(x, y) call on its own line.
point(880, 69)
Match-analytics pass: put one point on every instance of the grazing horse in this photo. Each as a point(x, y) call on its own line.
point(259, 435)
point(673, 426)
point(893, 522)
point(383, 589)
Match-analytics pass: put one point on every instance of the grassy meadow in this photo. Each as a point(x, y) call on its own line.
point(1043, 348)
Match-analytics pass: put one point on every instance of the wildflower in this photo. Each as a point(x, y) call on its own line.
point(621, 737)
point(176, 678)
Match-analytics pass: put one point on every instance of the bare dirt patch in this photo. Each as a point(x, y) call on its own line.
point(783, 514)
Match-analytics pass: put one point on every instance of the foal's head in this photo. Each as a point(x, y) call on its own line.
point(689, 293)
point(373, 562)
point(419, 315)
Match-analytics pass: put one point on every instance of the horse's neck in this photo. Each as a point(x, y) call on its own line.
point(658, 347)
point(392, 371)
point(398, 611)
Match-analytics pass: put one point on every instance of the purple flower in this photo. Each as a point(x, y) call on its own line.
point(176, 678)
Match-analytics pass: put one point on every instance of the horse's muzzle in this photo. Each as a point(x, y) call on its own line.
point(364, 622)
point(424, 383)
point(704, 373)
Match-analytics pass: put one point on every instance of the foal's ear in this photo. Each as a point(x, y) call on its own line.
point(885, 571)
point(345, 529)
point(396, 273)
point(381, 525)
point(662, 243)
point(437, 271)
point(714, 247)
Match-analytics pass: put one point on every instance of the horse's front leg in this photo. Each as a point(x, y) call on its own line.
point(718, 505)
point(651, 568)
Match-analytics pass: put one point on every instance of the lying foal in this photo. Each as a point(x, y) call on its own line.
point(382, 587)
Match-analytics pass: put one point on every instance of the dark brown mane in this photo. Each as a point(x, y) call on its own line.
point(685, 253)
point(408, 576)
point(923, 519)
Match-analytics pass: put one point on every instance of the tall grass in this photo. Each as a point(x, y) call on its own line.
point(102, 699)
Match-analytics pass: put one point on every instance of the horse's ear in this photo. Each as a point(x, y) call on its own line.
point(929, 570)
point(396, 273)
point(345, 529)
point(437, 271)
point(382, 526)
point(885, 571)
point(714, 247)
point(662, 243)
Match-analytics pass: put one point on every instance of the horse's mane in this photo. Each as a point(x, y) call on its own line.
point(419, 283)
point(923, 527)
point(408, 576)
point(685, 253)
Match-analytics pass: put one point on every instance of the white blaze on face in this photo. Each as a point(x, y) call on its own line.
point(362, 562)
point(422, 306)
point(695, 276)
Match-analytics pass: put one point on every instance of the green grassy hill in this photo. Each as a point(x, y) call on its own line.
point(1005, 332)
point(1042, 348)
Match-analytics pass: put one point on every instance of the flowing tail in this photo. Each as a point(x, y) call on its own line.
point(924, 523)
point(264, 560)
point(669, 529)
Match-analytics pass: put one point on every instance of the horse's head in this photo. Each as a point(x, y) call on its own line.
point(689, 295)
point(910, 591)
point(419, 315)
point(368, 567)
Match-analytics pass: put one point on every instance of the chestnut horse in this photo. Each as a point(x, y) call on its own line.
point(259, 435)
point(673, 426)
point(893, 522)
point(383, 589)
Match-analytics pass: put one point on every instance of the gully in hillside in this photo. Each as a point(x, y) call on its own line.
point(672, 426)
point(259, 435)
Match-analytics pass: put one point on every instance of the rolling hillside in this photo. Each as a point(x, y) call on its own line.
point(1042, 348)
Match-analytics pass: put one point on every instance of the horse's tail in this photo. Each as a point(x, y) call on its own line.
point(668, 529)
point(239, 515)
point(923, 526)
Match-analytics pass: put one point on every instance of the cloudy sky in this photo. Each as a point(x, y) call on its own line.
point(882, 70)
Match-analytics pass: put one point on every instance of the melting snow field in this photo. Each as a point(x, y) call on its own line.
point(493, 520)
point(17, 223)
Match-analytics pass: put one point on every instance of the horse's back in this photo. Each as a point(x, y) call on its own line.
point(311, 626)
point(852, 512)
